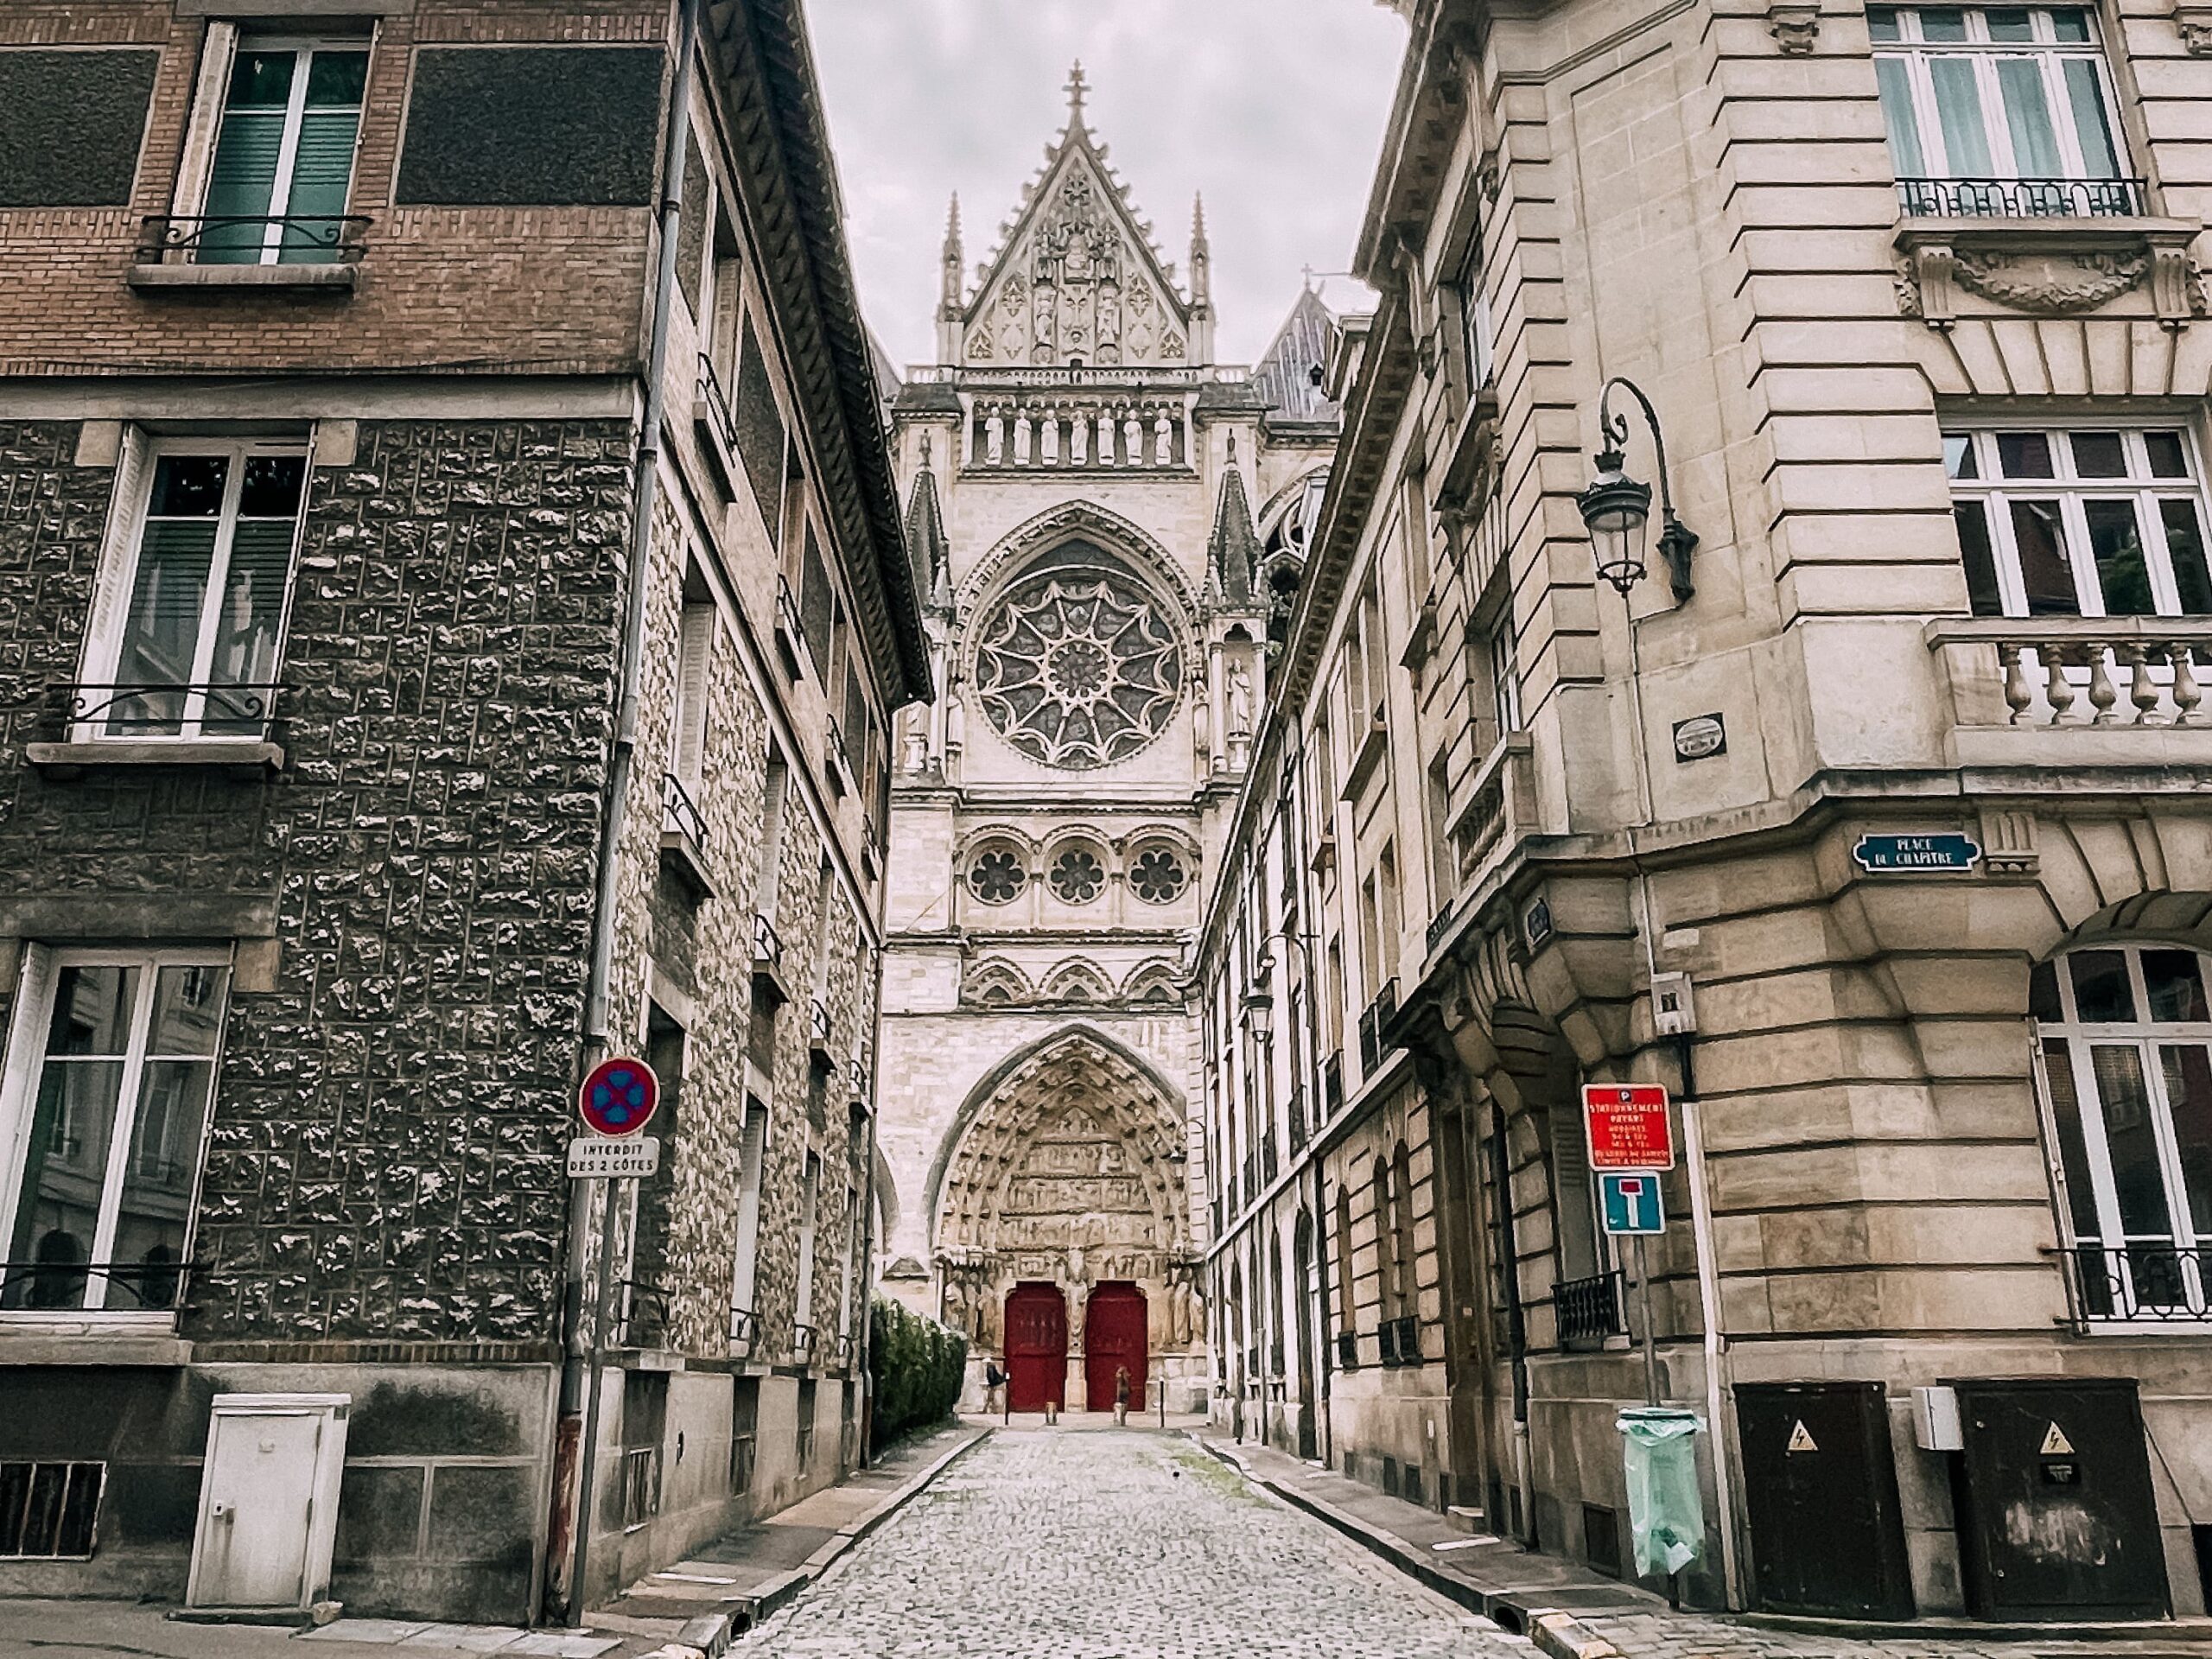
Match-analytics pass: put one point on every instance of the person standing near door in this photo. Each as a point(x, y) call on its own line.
point(993, 1380)
point(1121, 1397)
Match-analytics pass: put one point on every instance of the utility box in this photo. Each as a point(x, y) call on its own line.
point(1820, 1491)
point(1936, 1419)
point(269, 1500)
point(2057, 1518)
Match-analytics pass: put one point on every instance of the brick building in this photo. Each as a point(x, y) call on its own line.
point(1872, 825)
point(452, 608)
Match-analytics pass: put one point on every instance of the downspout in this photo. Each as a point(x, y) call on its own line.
point(1516, 1324)
point(580, 1363)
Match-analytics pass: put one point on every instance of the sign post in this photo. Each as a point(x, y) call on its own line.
point(619, 1098)
point(1632, 1142)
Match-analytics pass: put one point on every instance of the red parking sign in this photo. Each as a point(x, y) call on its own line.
point(1630, 1126)
point(619, 1096)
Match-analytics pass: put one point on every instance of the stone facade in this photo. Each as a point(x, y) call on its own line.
point(1081, 480)
point(328, 882)
point(1837, 794)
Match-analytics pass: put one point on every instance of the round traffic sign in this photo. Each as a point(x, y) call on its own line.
point(619, 1096)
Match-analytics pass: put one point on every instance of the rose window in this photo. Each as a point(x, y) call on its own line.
point(1077, 666)
point(1077, 877)
point(1157, 875)
point(996, 876)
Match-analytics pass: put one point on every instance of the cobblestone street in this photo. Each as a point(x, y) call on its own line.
point(1112, 1545)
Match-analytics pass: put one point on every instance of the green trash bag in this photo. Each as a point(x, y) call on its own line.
point(1666, 1513)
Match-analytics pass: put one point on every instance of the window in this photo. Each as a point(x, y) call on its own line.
point(809, 1197)
point(1999, 110)
point(1474, 317)
point(1505, 675)
point(687, 757)
point(193, 636)
point(773, 790)
point(48, 1511)
point(753, 1153)
point(1077, 877)
point(1156, 874)
point(2125, 1037)
point(2079, 523)
point(284, 156)
point(996, 877)
point(112, 1061)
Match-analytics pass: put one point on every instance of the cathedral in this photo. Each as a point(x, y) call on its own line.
point(1108, 525)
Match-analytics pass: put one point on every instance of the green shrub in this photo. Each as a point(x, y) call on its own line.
point(917, 1366)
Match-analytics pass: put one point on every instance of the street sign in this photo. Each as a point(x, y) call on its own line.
point(1629, 1200)
point(1630, 1126)
point(619, 1098)
point(1949, 849)
point(607, 1157)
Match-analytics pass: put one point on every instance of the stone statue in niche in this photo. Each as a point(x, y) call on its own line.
point(1133, 439)
point(995, 438)
point(1110, 323)
point(1021, 439)
point(1201, 723)
point(1105, 438)
point(1079, 439)
point(1048, 435)
point(1240, 700)
point(918, 743)
point(1044, 323)
point(1163, 440)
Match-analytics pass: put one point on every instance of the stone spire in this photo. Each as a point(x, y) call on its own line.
point(1201, 285)
point(925, 539)
point(1233, 550)
point(1077, 88)
point(950, 308)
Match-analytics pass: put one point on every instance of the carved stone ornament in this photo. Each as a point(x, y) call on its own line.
point(2047, 267)
point(2195, 23)
point(1794, 24)
point(2008, 840)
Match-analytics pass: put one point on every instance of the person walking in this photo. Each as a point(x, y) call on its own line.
point(1121, 1397)
point(993, 1380)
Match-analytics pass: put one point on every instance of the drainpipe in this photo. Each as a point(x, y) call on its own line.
point(581, 1363)
point(1516, 1326)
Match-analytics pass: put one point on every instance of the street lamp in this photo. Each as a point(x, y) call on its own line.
point(1617, 509)
point(1260, 1001)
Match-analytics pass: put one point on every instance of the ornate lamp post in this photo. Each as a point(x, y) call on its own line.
point(1617, 509)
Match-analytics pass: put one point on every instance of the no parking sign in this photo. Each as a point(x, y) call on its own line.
point(619, 1098)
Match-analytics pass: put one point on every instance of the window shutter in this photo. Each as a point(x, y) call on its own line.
point(118, 557)
point(694, 652)
point(19, 1069)
point(196, 164)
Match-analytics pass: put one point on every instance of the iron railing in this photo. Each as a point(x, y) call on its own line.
point(818, 1025)
point(1267, 1157)
point(151, 708)
point(767, 948)
point(716, 402)
point(1333, 1084)
point(744, 1326)
point(131, 1287)
point(2022, 198)
point(643, 1310)
point(801, 1341)
point(682, 812)
point(1377, 1014)
point(250, 239)
point(791, 631)
point(640, 1485)
point(1588, 1309)
point(2150, 1282)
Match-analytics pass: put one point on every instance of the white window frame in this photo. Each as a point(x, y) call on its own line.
point(110, 619)
point(2073, 492)
point(288, 155)
point(24, 1065)
point(2147, 1037)
point(2045, 50)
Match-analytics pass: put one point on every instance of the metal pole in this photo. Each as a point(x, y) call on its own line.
point(587, 1476)
point(1644, 1301)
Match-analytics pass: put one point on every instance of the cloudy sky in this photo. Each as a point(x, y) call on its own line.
point(1274, 109)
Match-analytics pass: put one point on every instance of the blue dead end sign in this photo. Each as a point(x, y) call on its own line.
point(620, 1096)
point(1629, 1199)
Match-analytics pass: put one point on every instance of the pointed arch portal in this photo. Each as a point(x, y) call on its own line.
point(1065, 1174)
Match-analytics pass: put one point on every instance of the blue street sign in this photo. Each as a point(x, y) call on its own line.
point(1947, 849)
point(1629, 1200)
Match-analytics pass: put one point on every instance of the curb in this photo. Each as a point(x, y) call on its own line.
point(708, 1636)
point(1559, 1635)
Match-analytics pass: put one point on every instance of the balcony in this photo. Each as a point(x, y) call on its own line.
point(1298, 1124)
point(1589, 1310)
point(768, 961)
point(2022, 198)
point(1499, 810)
point(643, 1312)
point(1347, 1350)
point(2146, 1284)
point(1267, 1157)
point(160, 724)
point(1332, 1085)
point(238, 251)
point(743, 1328)
point(2072, 690)
point(1376, 1015)
point(837, 758)
point(802, 1342)
point(717, 429)
point(817, 1026)
point(790, 632)
point(684, 837)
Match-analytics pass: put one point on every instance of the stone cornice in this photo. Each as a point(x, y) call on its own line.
point(777, 132)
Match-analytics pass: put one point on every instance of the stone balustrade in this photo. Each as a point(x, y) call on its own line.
point(2075, 670)
point(1037, 435)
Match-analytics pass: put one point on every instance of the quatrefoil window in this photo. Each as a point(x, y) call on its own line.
point(1157, 875)
point(996, 877)
point(1077, 877)
point(1078, 665)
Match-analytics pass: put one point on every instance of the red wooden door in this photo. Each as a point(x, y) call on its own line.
point(1036, 1346)
point(1114, 1336)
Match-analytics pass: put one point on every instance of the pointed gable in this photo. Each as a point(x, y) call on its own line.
point(1233, 552)
point(1077, 278)
point(925, 539)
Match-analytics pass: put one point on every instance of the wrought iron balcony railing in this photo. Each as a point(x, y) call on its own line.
point(818, 1025)
point(767, 948)
point(2148, 1283)
point(1588, 1309)
point(682, 812)
point(643, 1311)
point(128, 1286)
point(2022, 198)
point(744, 1326)
point(252, 239)
point(142, 710)
point(801, 1341)
point(1377, 1014)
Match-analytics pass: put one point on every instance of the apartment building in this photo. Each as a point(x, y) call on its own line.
point(454, 604)
point(1853, 791)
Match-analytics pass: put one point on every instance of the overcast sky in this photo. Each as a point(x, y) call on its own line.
point(1275, 109)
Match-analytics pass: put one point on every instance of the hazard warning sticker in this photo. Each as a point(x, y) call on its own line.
point(1801, 1439)
point(2054, 1443)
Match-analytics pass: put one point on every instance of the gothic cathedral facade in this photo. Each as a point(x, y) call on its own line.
point(1106, 522)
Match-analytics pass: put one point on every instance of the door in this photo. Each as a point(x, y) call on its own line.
point(2056, 1518)
point(257, 1507)
point(1114, 1336)
point(1036, 1346)
point(1306, 1288)
point(1821, 1482)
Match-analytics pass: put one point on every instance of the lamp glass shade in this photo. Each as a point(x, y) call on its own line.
point(1259, 1012)
point(1617, 511)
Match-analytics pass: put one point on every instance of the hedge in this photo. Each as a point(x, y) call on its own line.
point(918, 1366)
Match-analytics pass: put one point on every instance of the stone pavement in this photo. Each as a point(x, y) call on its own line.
point(1091, 1542)
point(111, 1630)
